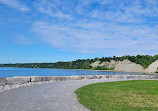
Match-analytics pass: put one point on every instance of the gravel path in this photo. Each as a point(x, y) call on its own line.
point(54, 96)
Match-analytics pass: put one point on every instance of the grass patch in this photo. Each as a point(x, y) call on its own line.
point(105, 67)
point(135, 95)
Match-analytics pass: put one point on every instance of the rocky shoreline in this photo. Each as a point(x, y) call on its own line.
point(20, 81)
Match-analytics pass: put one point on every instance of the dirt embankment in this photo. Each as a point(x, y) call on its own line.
point(152, 67)
point(127, 66)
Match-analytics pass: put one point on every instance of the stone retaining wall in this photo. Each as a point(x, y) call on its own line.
point(33, 79)
point(3, 81)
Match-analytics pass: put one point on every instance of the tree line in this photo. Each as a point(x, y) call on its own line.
point(144, 60)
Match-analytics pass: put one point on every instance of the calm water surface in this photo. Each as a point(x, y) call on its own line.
point(10, 72)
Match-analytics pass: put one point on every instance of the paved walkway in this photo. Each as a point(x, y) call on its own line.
point(55, 96)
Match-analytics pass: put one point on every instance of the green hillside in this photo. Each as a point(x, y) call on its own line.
point(144, 60)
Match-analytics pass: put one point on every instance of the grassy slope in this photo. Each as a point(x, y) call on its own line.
point(138, 95)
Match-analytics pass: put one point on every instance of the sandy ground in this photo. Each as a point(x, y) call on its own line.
point(54, 96)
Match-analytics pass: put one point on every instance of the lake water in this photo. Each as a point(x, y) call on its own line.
point(10, 72)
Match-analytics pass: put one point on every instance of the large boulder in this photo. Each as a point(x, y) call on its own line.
point(58, 78)
point(40, 79)
point(76, 77)
point(152, 67)
point(88, 76)
point(3, 81)
point(18, 80)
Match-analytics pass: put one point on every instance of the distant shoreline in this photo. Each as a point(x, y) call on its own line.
point(64, 69)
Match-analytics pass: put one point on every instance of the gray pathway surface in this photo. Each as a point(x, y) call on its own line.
point(54, 96)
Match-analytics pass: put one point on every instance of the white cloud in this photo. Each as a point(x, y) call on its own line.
point(15, 4)
point(53, 9)
point(112, 26)
point(90, 37)
point(115, 11)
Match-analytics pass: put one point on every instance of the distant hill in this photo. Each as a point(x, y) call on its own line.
point(104, 63)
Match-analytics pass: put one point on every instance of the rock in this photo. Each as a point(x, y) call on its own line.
point(107, 76)
point(3, 81)
point(123, 77)
point(88, 77)
point(68, 78)
point(77, 77)
point(40, 79)
point(36, 79)
point(155, 77)
point(17, 80)
point(58, 78)
point(132, 77)
point(47, 79)
point(95, 77)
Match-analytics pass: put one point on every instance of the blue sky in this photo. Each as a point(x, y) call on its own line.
point(65, 30)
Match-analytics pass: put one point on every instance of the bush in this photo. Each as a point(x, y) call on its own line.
point(102, 68)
